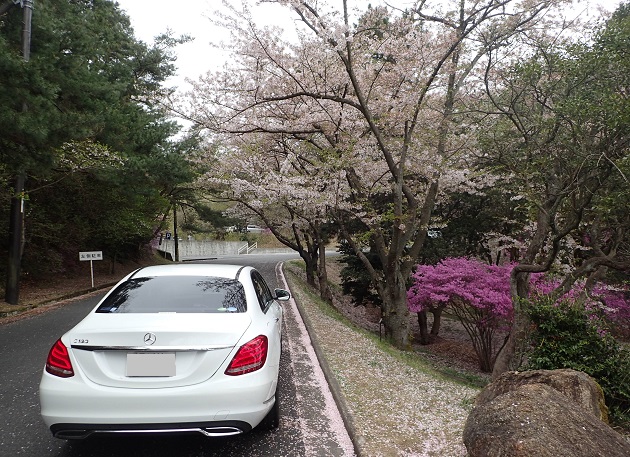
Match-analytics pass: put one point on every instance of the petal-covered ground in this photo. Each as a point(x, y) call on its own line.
point(397, 405)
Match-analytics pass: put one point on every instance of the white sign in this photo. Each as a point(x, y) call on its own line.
point(91, 255)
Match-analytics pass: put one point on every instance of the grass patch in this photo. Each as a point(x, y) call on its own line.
point(11, 310)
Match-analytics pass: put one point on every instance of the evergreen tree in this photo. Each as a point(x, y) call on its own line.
point(84, 122)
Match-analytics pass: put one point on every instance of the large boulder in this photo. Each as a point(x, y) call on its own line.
point(542, 413)
point(576, 385)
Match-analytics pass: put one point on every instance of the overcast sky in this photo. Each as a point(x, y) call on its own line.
point(152, 17)
point(149, 18)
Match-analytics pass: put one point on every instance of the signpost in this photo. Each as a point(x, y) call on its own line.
point(91, 256)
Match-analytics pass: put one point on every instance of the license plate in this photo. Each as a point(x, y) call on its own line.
point(151, 364)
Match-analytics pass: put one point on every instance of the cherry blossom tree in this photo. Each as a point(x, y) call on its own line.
point(254, 179)
point(375, 98)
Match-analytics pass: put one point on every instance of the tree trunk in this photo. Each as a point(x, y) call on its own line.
point(112, 265)
point(175, 234)
point(507, 359)
point(519, 284)
point(16, 240)
point(311, 268)
point(322, 275)
point(437, 320)
point(396, 312)
point(424, 328)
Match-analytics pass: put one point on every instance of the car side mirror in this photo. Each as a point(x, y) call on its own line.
point(281, 294)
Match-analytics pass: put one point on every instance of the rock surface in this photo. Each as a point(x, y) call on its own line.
point(576, 385)
point(543, 413)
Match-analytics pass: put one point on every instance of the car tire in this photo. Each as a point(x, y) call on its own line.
point(272, 419)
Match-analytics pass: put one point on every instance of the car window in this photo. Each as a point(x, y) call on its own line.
point(262, 291)
point(176, 294)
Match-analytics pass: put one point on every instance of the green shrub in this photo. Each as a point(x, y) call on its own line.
point(355, 279)
point(568, 335)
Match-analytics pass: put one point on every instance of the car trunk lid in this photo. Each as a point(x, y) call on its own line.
point(155, 350)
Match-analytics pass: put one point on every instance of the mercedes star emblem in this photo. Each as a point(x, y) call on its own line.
point(149, 339)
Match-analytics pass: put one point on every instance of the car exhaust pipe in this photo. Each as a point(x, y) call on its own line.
point(72, 434)
point(221, 431)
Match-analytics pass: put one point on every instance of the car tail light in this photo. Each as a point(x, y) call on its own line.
point(58, 362)
point(250, 357)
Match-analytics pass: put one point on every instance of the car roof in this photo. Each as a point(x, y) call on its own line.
point(191, 269)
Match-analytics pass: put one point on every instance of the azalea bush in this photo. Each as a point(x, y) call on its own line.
point(604, 301)
point(477, 293)
point(615, 304)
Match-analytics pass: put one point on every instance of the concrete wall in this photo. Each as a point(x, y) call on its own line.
point(210, 248)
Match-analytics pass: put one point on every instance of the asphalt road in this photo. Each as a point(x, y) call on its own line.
point(310, 425)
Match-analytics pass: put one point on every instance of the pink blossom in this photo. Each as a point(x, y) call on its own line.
point(486, 287)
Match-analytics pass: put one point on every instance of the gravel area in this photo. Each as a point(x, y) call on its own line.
point(395, 404)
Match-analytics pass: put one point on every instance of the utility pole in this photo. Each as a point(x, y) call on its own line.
point(175, 234)
point(16, 223)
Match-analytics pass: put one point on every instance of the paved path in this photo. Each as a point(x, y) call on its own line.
point(310, 425)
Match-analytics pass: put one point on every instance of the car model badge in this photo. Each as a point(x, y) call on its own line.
point(149, 339)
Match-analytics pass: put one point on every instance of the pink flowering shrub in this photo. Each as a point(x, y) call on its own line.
point(480, 285)
point(479, 296)
point(477, 293)
point(603, 301)
point(614, 303)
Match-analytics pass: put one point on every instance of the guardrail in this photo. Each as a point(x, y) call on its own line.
point(247, 248)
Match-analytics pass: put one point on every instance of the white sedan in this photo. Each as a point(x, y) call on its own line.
point(171, 348)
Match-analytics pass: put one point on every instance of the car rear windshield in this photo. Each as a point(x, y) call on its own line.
point(176, 294)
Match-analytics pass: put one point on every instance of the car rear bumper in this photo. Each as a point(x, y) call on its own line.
point(211, 429)
point(75, 407)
